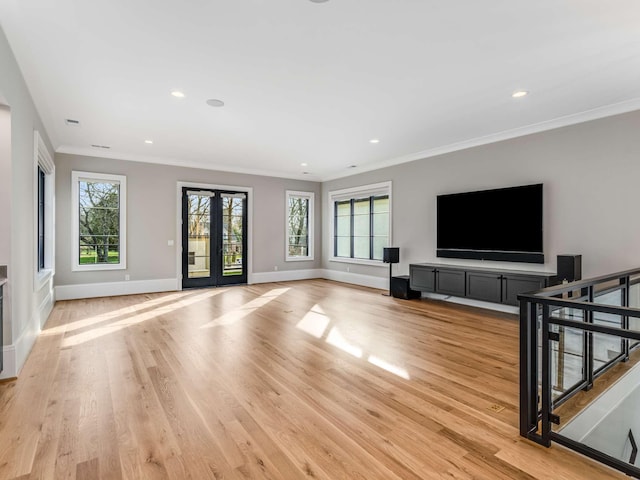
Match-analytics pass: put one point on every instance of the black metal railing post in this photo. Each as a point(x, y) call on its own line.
point(546, 378)
point(626, 283)
point(587, 361)
point(528, 368)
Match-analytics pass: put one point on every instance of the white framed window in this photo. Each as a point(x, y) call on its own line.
point(299, 226)
point(44, 221)
point(361, 223)
point(99, 203)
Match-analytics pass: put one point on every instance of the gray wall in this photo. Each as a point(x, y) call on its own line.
point(17, 244)
point(590, 173)
point(152, 215)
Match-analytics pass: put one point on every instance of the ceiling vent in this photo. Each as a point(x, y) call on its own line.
point(71, 122)
point(101, 146)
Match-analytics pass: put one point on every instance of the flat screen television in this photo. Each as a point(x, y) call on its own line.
point(503, 224)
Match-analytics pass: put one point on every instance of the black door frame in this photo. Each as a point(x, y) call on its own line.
point(216, 262)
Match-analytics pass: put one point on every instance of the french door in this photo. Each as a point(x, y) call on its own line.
point(214, 240)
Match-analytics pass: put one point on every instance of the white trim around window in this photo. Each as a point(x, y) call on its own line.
point(373, 190)
point(309, 198)
point(121, 180)
point(42, 161)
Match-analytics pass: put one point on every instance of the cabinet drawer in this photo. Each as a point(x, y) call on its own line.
point(422, 278)
point(484, 286)
point(450, 282)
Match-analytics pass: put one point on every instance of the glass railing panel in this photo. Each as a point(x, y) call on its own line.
point(606, 349)
point(610, 424)
point(602, 291)
point(610, 297)
point(567, 359)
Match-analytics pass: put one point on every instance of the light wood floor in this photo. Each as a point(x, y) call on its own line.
point(310, 379)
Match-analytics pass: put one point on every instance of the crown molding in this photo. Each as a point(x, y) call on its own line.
point(559, 122)
point(116, 155)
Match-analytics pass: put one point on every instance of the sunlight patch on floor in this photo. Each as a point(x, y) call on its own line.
point(134, 319)
point(246, 309)
point(92, 320)
point(314, 322)
point(336, 339)
point(389, 367)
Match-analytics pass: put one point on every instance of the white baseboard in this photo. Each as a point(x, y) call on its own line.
point(356, 279)
point(45, 309)
point(15, 355)
point(9, 367)
point(111, 289)
point(286, 275)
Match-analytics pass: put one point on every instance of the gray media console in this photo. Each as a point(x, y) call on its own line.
point(486, 284)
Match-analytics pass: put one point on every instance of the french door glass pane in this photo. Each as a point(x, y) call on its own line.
point(232, 234)
point(199, 243)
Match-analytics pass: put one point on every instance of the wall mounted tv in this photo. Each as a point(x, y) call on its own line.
point(503, 224)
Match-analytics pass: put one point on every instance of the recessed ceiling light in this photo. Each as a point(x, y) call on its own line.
point(519, 94)
point(148, 141)
point(214, 102)
point(303, 164)
point(177, 94)
point(374, 140)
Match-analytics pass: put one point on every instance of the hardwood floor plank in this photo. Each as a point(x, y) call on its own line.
point(311, 379)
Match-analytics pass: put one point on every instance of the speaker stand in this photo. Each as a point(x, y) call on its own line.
point(390, 276)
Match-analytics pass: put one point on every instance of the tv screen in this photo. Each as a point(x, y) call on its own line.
point(501, 224)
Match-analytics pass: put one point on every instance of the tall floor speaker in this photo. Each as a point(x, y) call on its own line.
point(569, 267)
point(390, 255)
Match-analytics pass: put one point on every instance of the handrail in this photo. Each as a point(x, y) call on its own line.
point(538, 314)
point(589, 307)
point(580, 284)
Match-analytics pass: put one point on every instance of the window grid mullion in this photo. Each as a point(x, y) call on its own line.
point(335, 229)
point(352, 228)
point(371, 228)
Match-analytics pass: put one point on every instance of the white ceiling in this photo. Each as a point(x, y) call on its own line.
point(312, 83)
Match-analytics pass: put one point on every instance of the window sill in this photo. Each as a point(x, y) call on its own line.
point(98, 267)
point(359, 261)
point(299, 259)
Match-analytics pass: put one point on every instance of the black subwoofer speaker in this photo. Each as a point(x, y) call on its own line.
point(400, 288)
point(569, 267)
point(391, 255)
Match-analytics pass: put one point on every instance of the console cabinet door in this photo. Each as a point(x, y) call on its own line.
point(484, 286)
point(450, 282)
point(514, 285)
point(422, 278)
